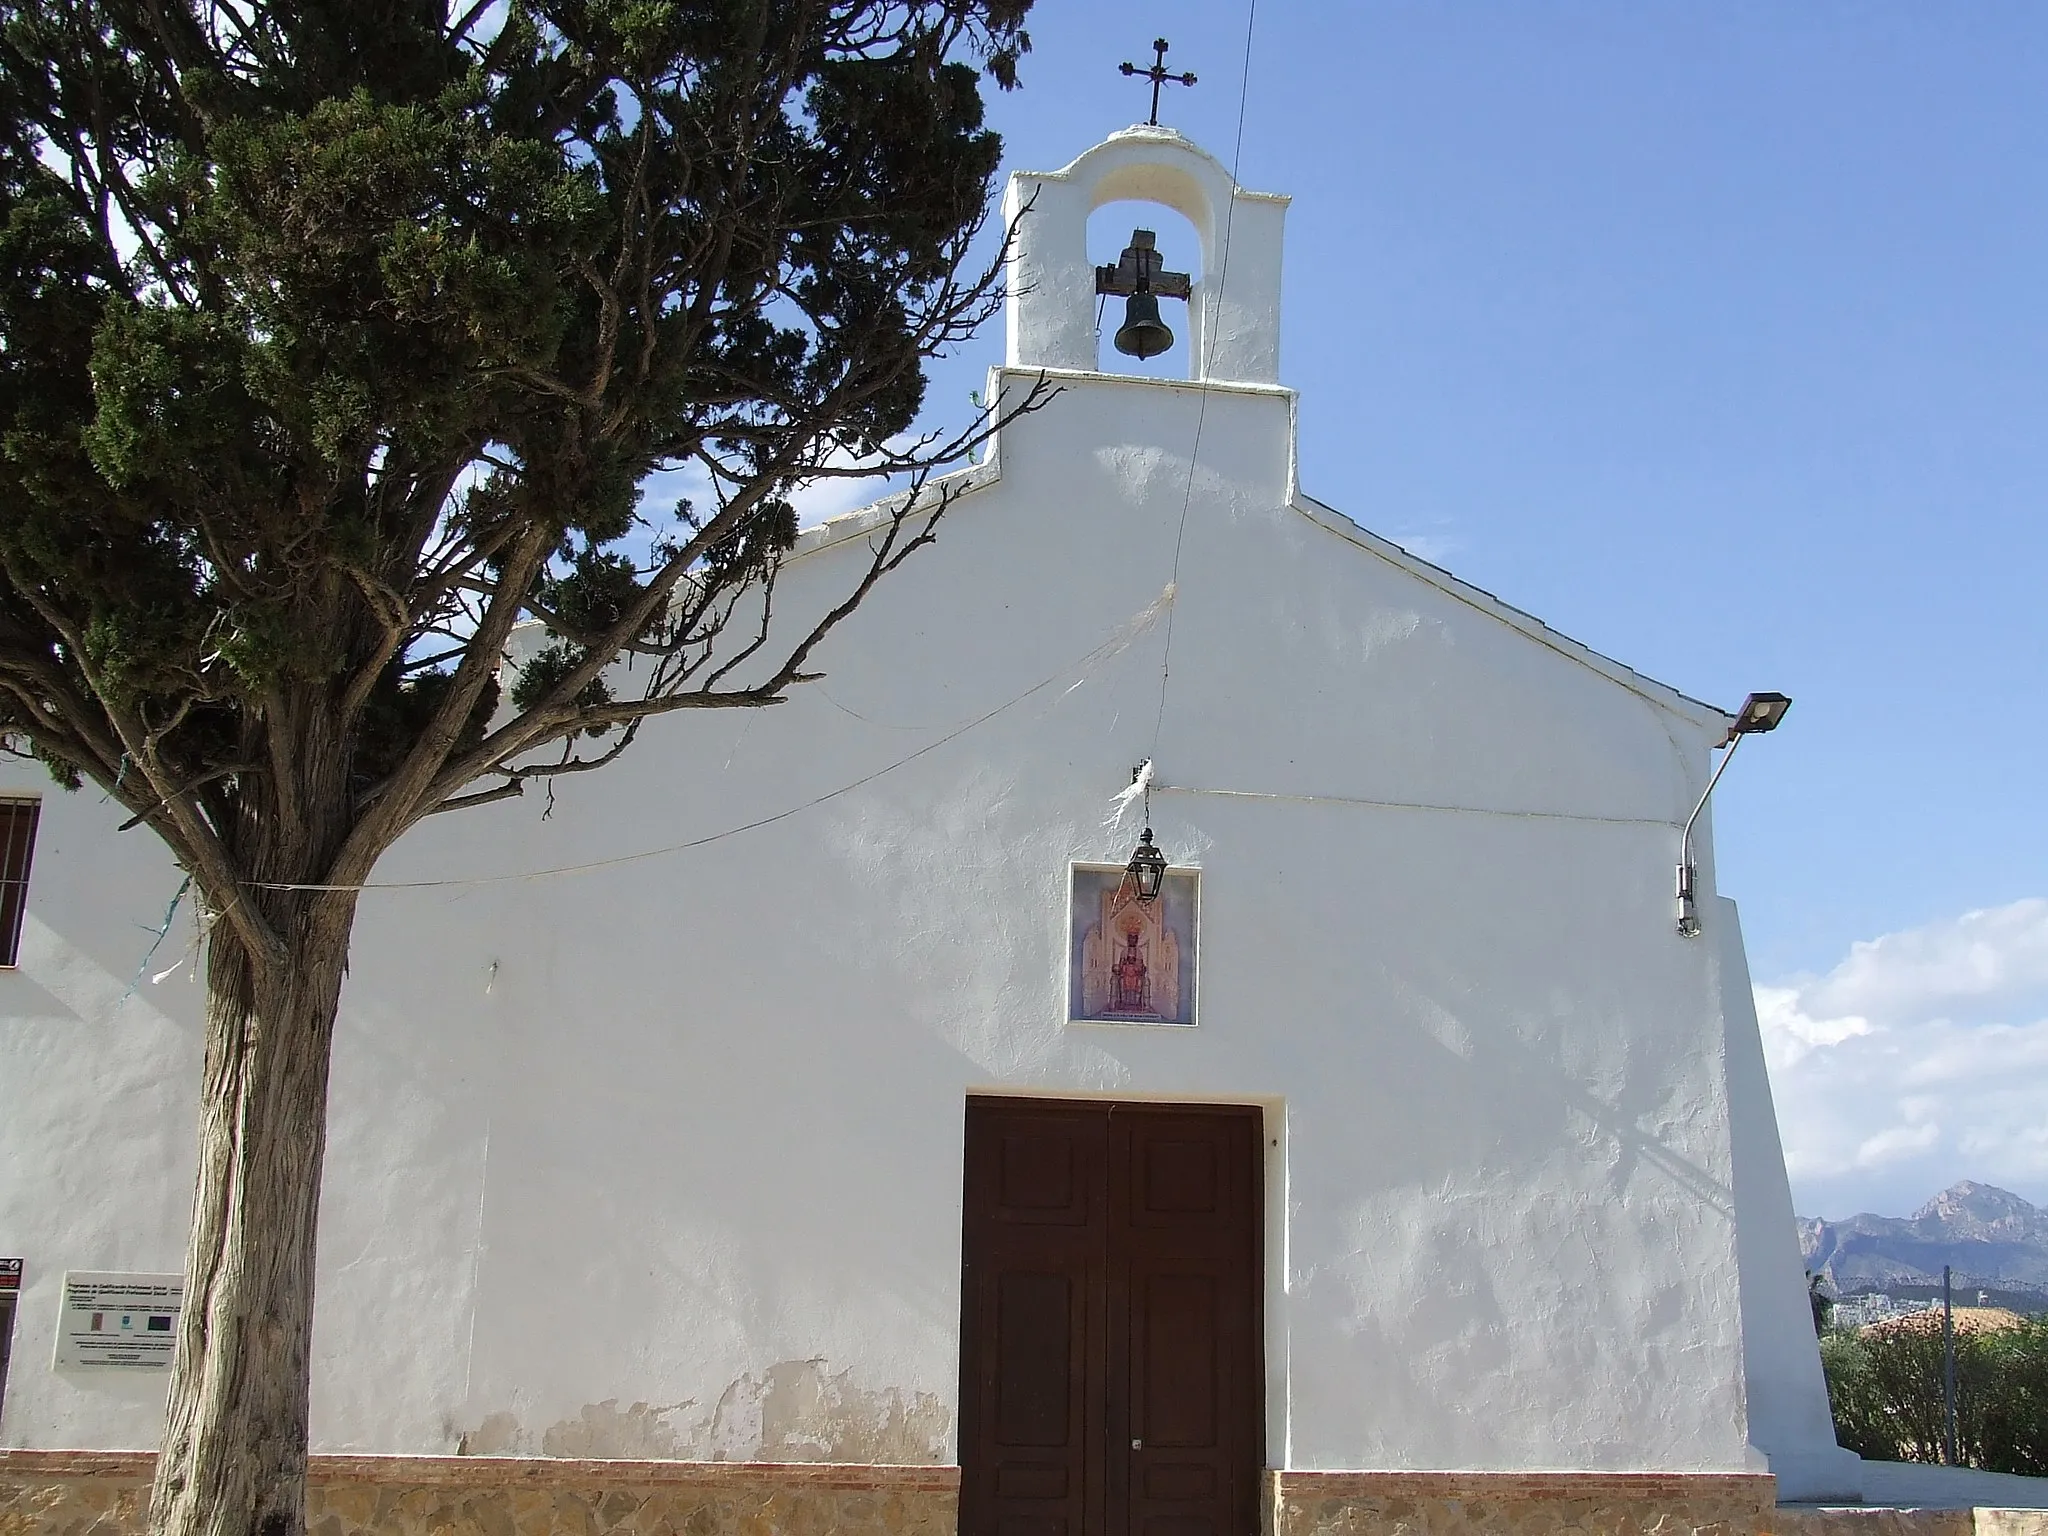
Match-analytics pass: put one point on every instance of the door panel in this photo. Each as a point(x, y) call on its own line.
point(1034, 1249)
point(1178, 1183)
point(1185, 1234)
point(1042, 1176)
point(1174, 1377)
point(1111, 1378)
point(1036, 1335)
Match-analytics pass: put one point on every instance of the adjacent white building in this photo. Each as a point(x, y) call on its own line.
point(671, 1158)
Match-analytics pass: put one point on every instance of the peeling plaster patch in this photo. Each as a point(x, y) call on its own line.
point(606, 1432)
point(795, 1411)
point(498, 1435)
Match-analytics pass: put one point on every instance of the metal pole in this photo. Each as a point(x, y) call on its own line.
point(1948, 1369)
point(1688, 910)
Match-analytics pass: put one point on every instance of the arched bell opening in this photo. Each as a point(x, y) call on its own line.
point(1116, 232)
point(1070, 222)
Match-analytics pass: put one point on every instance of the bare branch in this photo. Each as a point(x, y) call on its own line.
point(511, 789)
point(197, 842)
point(227, 770)
point(391, 811)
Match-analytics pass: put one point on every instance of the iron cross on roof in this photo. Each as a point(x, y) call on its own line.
point(1158, 74)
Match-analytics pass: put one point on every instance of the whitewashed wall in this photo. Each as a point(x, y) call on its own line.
point(1787, 1394)
point(664, 1159)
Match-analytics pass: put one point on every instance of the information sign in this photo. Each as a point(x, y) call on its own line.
point(119, 1322)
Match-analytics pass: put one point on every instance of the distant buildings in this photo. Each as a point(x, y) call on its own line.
point(1862, 1311)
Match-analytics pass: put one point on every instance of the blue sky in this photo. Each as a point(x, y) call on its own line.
point(1716, 337)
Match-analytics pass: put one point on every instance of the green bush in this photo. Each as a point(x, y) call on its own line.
point(1862, 1423)
point(2015, 1433)
point(1884, 1386)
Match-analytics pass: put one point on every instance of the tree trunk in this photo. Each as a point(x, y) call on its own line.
point(233, 1461)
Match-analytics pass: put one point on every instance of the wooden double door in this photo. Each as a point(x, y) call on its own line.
point(1112, 1379)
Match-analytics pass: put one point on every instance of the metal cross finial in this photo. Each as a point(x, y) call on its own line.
point(1158, 74)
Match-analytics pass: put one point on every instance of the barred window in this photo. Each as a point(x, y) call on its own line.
point(17, 847)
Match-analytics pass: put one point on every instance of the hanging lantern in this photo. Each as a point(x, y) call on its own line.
point(1147, 869)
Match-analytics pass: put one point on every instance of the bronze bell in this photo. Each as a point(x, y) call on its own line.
point(1140, 278)
point(1143, 334)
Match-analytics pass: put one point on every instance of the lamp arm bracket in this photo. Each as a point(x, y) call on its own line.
point(1688, 906)
point(1685, 837)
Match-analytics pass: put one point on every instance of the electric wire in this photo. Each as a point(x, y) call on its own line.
point(1369, 803)
point(1117, 642)
point(1209, 355)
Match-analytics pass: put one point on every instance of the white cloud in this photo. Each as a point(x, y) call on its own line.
point(822, 500)
point(1920, 1059)
point(817, 501)
point(1959, 968)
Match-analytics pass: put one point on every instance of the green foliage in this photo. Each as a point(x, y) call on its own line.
point(546, 671)
point(1862, 1423)
point(336, 340)
point(2015, 1429)
point(1885, 1387)
point(337, 336)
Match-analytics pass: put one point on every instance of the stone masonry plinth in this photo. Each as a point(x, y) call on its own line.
point(1518, 1504)
point(84, 1493)
point(101, 1493)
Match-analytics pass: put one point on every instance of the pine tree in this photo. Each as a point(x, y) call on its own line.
point(336, 339)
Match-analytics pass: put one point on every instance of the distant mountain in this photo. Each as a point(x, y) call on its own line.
point(1989, 1236)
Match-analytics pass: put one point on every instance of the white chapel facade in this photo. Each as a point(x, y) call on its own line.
point(1402, 1136)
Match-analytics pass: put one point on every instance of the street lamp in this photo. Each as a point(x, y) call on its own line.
point(1760, 712)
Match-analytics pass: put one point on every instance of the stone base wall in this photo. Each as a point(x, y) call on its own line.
point(82, 1493)
point(102, 1493)
point(1518, 1504)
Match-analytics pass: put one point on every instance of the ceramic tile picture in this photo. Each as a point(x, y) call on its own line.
point(1131, 961)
